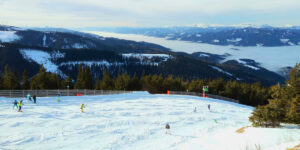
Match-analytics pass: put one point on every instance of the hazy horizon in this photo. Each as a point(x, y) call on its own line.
point(147, 13)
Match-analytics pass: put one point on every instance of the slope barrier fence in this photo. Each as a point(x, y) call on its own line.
point(50, 93)
point(201, 95)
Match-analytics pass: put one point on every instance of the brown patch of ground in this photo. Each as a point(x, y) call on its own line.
point(297, 147)
point(242, 130)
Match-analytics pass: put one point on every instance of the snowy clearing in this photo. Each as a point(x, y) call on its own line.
point(147, 56)
point(42, 57)
point(135, 121)
point(39, 57)
point(8, 36)
point(246, 64)
point(91, 63)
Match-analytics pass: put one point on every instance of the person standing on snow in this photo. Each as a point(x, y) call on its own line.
point(81, 107)
point(29, 96)
point(58, 97)
point(168, 129)
point(20, 105)
point(34, 99)
point(208, 107)
point(15, 104)
point(195, 110)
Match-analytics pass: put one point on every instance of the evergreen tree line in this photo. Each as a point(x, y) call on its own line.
point(249, 94)
point(284, 104)
point(276, 104)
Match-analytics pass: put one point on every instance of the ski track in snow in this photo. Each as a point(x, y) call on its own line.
point(134, 121)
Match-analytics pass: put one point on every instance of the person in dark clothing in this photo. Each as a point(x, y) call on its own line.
point(208, 107)
point(15, 104)
point(34, 99)
point(168, 129)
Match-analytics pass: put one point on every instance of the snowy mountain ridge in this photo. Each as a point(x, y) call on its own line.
point(64, 52)
point(244, 36)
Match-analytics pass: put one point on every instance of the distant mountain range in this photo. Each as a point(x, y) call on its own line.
point(62, 51)
point(221, 35)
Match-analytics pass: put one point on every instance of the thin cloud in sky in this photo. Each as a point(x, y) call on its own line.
point(78, 13)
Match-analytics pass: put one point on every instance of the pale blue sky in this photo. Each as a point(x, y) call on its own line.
point(98, 13)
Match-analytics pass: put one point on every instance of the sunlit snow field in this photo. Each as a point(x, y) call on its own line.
point(135, 121)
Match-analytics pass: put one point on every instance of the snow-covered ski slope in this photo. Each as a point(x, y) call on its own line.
point(135, 121)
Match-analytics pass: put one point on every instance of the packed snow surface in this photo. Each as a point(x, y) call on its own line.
point(272, 58)
point(135, 121)
point(8, 36)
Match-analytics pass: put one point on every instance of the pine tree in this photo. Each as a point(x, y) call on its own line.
point(25, 82)
point(68, 82)
point(80, 84)
point(54, 82)
point(216, 86)
point(7, 81)
point(1, 81)
point(283, 107)
point(135, 84)
point(88, 79)
point(16, 80)
point(293, 93)
point(168, 83)
point(122, 81)
point(293, 113)
point(196, 85)
point(97, 85)
point(106, 82)
point(41, 80)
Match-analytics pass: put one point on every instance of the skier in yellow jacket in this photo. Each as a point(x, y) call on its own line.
point(81, 107)
point(20, 105)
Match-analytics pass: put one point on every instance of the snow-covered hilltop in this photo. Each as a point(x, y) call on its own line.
point(136, 121)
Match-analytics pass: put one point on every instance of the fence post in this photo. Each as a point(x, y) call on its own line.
point(23, 93)
point(94, 92)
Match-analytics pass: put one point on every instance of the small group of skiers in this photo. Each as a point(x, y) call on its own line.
point(208, 106)
point(33, 97)
point(168, 131)
point(18, 105)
